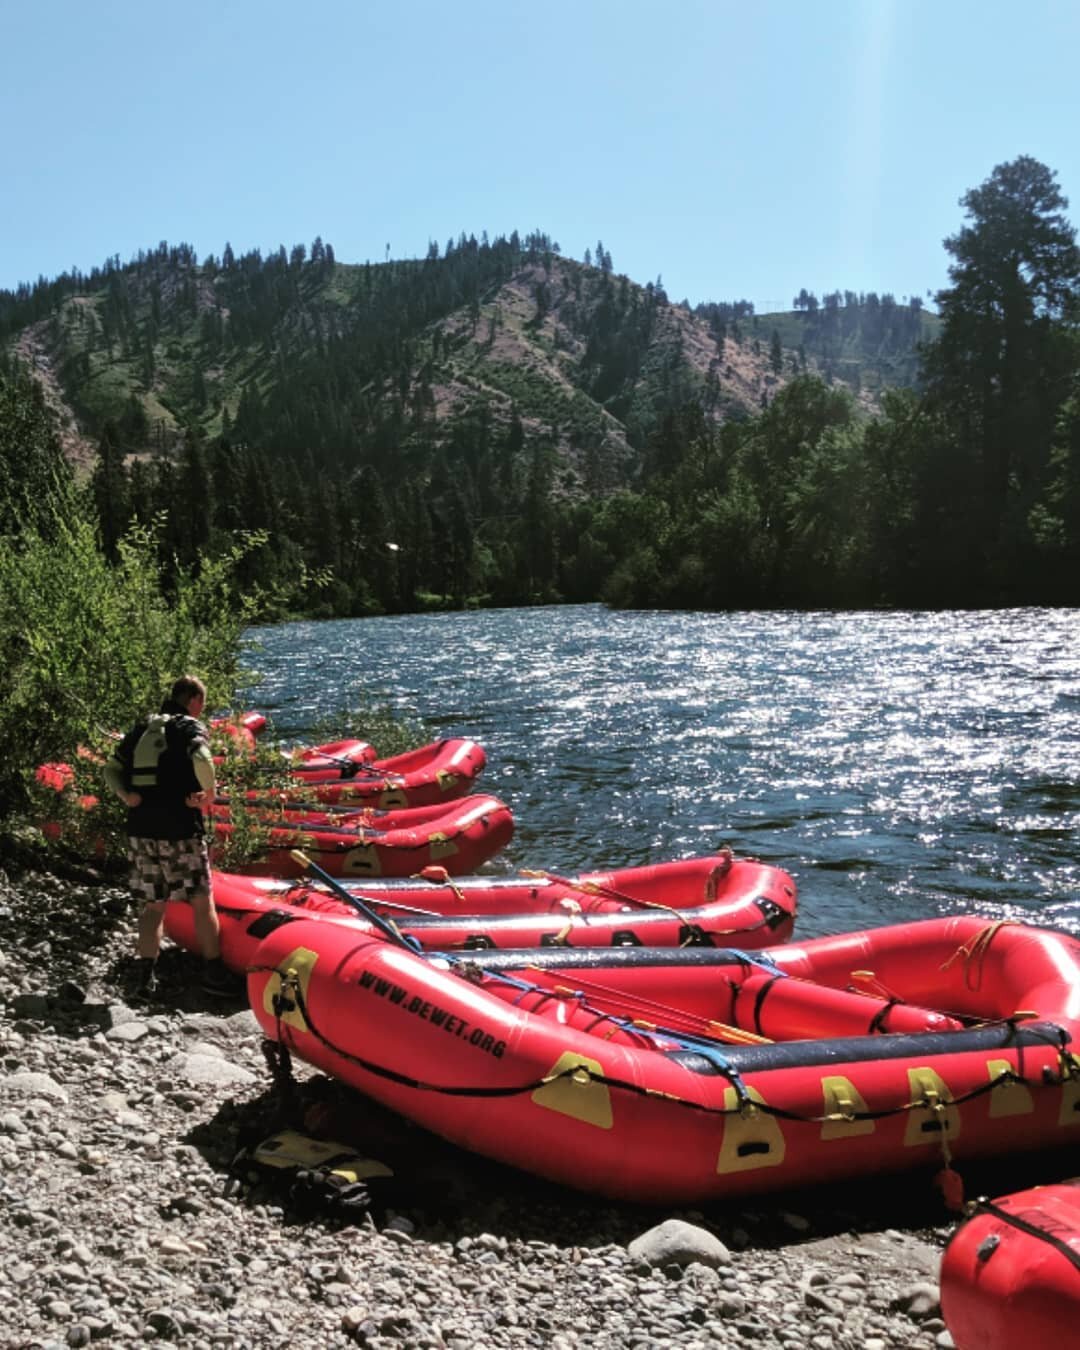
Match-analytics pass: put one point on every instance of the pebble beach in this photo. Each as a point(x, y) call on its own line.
point(123, 1220)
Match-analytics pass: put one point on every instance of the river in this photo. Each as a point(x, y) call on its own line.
point(899, 765)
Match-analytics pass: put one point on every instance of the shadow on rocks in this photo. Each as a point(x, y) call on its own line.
point(61, 924)
point(447, 1193)
point(909, 1202)
point(431, 1179)
point(65, 1011)
point(179, 976)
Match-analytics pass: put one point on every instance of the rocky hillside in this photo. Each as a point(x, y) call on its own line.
point(583, 359)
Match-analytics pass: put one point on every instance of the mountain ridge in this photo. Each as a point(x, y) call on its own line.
point(584, 359)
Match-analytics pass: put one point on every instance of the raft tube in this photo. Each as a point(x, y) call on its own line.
point(243, 729)
point(1010, 1275)
point(708, 901)
point(333, 759)
point(426, 776)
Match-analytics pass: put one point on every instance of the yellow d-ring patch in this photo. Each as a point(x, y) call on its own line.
point(1070, 1102)
point(1007, 1098)
point(362, 861)
point(577, 1094)
point(297, 965)
point(752, 1139)
point(441, 846)
point(841, 1103)
point(927, 1124)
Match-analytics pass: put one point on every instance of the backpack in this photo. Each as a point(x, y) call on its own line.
point(316, 1175)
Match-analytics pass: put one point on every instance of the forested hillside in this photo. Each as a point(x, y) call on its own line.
point(298, 349)
point(870, 342)
point(496, 423)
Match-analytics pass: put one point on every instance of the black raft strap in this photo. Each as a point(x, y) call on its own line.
point(1015, 1221)
point(877, 1022)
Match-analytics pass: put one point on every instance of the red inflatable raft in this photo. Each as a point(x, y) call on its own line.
point(1010, 1275)
point(711, 900)
point(426, 776)
point(459, 836)
point(348, 770)
point(626, 1073)
point(242, 730)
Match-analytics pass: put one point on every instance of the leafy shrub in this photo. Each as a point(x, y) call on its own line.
point(90, 647)
point(242, 768)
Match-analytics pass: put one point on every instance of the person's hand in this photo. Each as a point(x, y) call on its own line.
point(132, 800)
point(200, 801)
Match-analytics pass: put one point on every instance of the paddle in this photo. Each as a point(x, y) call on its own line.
point(713, 1029)
point(596, 888)
point(386, 927)
point(349, 767)
point(298, 762)
point(390, 931)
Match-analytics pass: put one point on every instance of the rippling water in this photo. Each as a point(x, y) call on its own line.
point(900, 765)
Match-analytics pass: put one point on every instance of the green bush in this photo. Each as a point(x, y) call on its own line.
point(260, 770)
point(90, 647)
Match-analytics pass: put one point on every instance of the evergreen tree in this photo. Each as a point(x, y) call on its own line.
point(193, 506)
point(35, 481)
point(540, 559)
point(776, 354)
point(1003, 366)
point(109, 490)
point(1055, 519)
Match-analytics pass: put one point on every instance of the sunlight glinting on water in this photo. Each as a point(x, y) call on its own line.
point(899, 765)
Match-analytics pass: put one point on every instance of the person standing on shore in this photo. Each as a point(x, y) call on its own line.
point(163, 772)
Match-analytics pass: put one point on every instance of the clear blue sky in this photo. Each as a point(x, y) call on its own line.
point(738, 150)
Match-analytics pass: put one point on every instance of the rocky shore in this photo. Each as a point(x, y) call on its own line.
point(121, 1221)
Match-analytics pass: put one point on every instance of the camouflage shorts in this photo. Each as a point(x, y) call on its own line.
point(169, 869)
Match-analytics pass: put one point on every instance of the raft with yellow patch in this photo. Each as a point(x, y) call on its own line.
point(425, 776)
point(705, 901)
point(459, 836)
point(696, 1075)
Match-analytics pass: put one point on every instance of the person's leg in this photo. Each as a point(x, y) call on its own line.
point(194, 858)
point(194, 884)
point(146, 885)
point(148, 943)
point(207, 927)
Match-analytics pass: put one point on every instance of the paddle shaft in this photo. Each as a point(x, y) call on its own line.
point(385, 927)
point(597, 888)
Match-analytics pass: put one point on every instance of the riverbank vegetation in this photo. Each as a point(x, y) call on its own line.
point(93, 638)
point(91, 642)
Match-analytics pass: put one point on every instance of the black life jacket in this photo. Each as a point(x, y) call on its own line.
point(156, 756)
point(157, 761)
